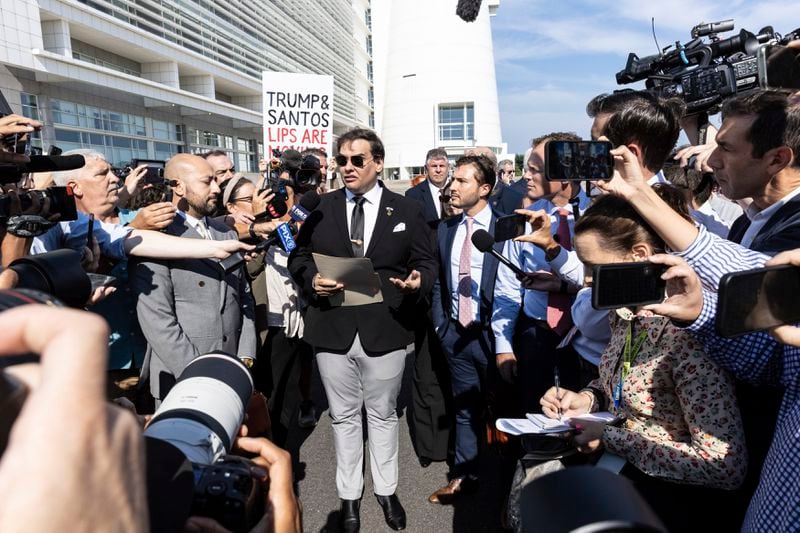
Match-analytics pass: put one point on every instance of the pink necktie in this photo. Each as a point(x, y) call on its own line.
point(465, 312)
point(558, 305)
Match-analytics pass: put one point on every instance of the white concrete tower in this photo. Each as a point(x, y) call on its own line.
point(435, 82)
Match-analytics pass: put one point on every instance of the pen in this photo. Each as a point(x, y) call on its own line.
point(557, 380)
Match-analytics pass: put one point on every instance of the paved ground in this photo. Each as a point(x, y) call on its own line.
point(315, 470)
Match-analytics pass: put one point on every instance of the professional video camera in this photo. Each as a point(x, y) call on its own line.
point(704, 73)
point(304, 172)
point(198, 421)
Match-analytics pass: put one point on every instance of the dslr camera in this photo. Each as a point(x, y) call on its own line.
point(197, 422)
point(704, 73)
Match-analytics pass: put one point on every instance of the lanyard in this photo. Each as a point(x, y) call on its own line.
point(629, 353)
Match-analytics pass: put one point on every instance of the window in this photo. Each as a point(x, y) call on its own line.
point(30, 109)
point(456, 122)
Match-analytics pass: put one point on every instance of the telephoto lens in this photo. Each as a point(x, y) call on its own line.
point(203, 412)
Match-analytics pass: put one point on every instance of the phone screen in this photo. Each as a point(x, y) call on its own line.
point(508, 227)
point(578, 160)
point(627, 285)
point(759, 299)
point(154, 174)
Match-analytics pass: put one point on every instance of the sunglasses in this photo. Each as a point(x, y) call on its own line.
point(358, 160)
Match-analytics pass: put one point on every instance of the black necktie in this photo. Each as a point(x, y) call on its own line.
point(357, 226)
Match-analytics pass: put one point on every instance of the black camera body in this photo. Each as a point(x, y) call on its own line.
point(304, 172)
point(227, 492)
point(704, 73)
point(62, 202)
point(154, 175)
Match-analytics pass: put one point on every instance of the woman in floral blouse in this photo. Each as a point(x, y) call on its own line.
point(681, 426)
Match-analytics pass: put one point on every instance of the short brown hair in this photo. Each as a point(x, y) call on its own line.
point(653, 124)
point(375, 143)
point(555, 136)
point(620, 226)
point(484, 167)
point(777, 121)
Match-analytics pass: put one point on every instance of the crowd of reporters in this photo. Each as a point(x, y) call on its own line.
point(703, 423)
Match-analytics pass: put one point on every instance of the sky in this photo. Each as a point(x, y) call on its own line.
point(551, 58)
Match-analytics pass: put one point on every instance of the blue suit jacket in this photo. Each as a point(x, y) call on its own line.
point(780, 233)
point(506, 198)
point(441, 305)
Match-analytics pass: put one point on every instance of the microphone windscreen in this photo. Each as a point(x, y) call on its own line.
point(54, 163)
point(482, 240)
point(310, 200)
point(468, 9)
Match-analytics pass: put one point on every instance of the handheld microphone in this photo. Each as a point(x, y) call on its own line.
point(284, 234)
point(484, 242)
point(276, 208)
point(308, 202)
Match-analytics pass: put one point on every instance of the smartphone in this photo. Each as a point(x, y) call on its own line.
point(778, 66)
point(758, 299)
point(508, 227)
point(627, 284)
point(90, 233)
point(578, 160)
point(62, 200)
point(155, 170)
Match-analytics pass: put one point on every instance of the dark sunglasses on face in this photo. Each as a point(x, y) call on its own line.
point(358, 160)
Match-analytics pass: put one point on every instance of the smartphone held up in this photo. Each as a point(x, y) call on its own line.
point(578, 161)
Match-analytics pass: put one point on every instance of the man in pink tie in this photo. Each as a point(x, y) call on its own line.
point(463, 300)
point(545, 315)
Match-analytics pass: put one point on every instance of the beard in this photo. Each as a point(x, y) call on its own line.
point(203, 206)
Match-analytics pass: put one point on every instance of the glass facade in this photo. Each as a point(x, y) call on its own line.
point(120, 136)
point(456, 122)
point(250, 37)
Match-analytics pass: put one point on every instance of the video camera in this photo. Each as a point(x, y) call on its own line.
point(704, 73)
point(304, 172)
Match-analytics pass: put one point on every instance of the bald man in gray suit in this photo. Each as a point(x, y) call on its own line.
point(190, 307)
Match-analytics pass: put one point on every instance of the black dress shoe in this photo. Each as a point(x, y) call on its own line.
point(424, 462)
point(393, 512)
point(349, 518)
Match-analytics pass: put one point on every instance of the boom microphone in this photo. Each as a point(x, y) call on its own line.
point(468, 9)
point(484, 242)
point(51, 163)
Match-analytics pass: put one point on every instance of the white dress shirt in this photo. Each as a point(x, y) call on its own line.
point(481, 221)
point(371, 205)
point(758, 219)
point(435, 192)
point(195, 222)
point(658, 178)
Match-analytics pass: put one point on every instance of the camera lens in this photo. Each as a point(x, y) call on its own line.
point(203, 412)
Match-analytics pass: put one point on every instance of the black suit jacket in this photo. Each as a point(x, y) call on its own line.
point(422, 193)
point(780, 233)
point(442, 303)
point(394, 253)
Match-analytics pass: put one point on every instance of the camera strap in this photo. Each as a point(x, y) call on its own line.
point(26, 226)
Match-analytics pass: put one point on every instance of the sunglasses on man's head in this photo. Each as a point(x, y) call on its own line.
point(358, 160)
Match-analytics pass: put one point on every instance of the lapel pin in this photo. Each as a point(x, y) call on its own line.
point(389, 211)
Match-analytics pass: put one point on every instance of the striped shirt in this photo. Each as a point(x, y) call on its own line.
point(759, 359)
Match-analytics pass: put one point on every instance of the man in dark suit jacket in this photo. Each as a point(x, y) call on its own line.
point(464, 299)
point(191, 307)
point(361, 350)
point(430, 414)
point(429, 191)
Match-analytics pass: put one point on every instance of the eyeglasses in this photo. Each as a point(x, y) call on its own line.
point(243, 199)
point(358, 160)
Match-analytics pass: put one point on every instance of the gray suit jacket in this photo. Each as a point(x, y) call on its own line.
point(189, 307)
